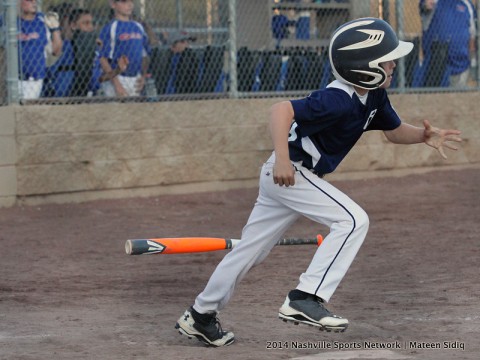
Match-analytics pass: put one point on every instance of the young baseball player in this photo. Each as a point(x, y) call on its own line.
point(86, 62)
point(311, 136)
point(122, 36)
point(38, 35)
point(60, 75)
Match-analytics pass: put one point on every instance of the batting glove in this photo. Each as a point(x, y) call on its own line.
point(52, 20)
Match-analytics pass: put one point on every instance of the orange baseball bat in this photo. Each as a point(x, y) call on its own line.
point(196, 244)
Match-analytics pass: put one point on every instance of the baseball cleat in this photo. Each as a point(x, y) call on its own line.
point(311, 311)
point(205, 327)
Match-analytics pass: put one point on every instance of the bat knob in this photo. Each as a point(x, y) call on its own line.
point(128, 247)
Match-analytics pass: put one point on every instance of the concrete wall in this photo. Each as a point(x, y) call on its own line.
point(8, 157)
point(83, 152)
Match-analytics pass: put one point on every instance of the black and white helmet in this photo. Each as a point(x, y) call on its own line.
point(359, 46)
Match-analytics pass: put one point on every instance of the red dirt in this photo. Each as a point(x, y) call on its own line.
point(69, 291)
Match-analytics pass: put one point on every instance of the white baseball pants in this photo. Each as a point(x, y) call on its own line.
point(276, 209)
point(129, 83)
point(30, 89)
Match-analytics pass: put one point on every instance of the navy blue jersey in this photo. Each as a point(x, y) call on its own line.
point(329, 122)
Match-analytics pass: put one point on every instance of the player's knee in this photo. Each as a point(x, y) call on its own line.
point(362, 221)
point(354, 220)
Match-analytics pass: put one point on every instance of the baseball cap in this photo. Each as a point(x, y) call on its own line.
point(179, 35)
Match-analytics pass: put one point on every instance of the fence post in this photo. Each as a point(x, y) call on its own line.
point(12, 51)
point(232, 34)
point(179, 8)
point(477, 48)
point(401, 35)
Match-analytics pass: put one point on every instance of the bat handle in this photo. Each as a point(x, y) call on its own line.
point(301, 241)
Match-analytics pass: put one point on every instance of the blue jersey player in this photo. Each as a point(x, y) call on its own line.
point(38, 36)
point(311, 136)
point(451, 25)
point(124, 37)
point(60, 75)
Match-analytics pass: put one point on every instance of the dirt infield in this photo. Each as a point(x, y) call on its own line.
point(68, 291)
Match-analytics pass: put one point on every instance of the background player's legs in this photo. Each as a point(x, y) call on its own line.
point(129, 83)
point(267, 223)
point(108, 89)
point(30, 89)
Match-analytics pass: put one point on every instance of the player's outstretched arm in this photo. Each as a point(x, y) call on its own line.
point(440, 138)
point(430, 135)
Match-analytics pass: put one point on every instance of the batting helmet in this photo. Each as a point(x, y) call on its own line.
point(358, 47)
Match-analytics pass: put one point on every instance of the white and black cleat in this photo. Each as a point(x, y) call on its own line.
point(311, 311)
point(207, 330)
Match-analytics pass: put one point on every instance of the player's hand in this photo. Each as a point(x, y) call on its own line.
point(440, 138)
point(122, 63)
point(283, 173)
point(120, 90)
point(52, 20)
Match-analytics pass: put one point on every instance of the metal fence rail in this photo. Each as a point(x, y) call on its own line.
point(190, 49)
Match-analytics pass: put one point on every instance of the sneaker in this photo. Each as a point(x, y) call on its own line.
point(310, 309)
point(205, 327)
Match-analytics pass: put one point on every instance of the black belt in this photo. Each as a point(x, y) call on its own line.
point(320, 175)
point(65, 68)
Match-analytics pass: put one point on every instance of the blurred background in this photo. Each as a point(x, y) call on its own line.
point(230, 48)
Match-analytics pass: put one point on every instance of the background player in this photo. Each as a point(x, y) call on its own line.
point(448, 41)
point(39, 35)
point(122, 36)
point(311, 136)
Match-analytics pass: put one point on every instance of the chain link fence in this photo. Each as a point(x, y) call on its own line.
point(160, 50)
point(3, 71)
